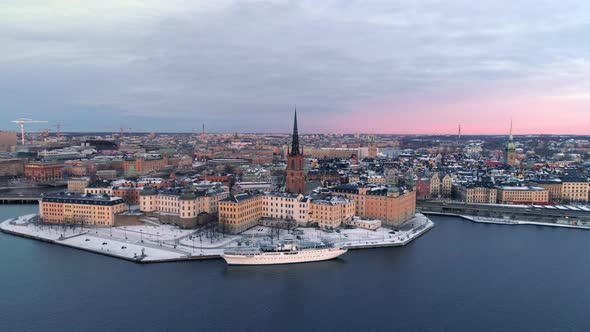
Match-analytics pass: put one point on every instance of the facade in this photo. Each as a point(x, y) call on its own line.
point(522, 195)
point(7, 141)
point(77, 185)
point(295, 179)
point(129, 194)
point(574, 189)
point(332, 211)
point(145, 165)
point(179, 206)
point(99, 188)
point(241, 212)
point(435, 186)
point(389, 205)
point(41, 172)
point(476, 193)
point(553, 187)
point(285, 206)
point(80, 209)
point(441, 186)
point(12, 167)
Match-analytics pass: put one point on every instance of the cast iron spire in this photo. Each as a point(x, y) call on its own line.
point(295, 151)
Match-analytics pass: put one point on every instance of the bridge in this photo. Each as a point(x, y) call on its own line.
point(541, 213)
point(18, 199)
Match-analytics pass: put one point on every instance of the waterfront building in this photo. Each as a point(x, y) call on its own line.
point(331, 212)
point(476, 193)
point(240, 212)
point(389, 204)
point(80, 209)
point(522, 195)
point(553, 186)
point(574, 189)
point(12, 167)
point(41, 172)
point(286, 206)
point(295, 174)
point(181, 206)
point(435, 186)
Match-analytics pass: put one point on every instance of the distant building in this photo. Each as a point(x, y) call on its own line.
point(144, 165)
point(41, 172)
point(7, 141)
point(372, 149)
point(12, 167)
point(77, 185)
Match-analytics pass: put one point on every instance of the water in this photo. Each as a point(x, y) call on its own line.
point(460, 276)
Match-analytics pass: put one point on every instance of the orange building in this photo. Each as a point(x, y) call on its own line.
point(145, 165)
point(390, 205)
point(44, 172)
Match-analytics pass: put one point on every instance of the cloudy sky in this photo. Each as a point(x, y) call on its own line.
point(388, 66)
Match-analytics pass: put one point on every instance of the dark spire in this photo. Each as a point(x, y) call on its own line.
point(295, 143)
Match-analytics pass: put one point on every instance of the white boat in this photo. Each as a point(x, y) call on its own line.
point(284, 253)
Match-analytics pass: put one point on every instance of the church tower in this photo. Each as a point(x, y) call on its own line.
point(510, 150)
point(295, 173)
point(372, 148)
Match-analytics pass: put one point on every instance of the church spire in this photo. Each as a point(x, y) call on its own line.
point(295, 150)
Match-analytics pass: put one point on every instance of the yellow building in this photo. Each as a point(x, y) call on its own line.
point(180, 203)
point(477, 194)
point(553, 187)
point(332, 212)
point(80, 209)
point(522, 195)
point(574, 189)
point(241, 212)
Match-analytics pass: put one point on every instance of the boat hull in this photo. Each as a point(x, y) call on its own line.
point(274, 258)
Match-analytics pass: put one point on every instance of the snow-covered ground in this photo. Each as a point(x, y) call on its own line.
point(158, 242)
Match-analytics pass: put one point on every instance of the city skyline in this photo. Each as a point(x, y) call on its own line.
point(376, 67)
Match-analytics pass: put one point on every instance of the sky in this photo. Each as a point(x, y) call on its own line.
point(405, 67)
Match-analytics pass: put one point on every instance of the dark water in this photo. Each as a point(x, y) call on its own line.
point(460, 276)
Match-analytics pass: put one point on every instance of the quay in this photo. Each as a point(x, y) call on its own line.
point(157, 243)
point(543, 214)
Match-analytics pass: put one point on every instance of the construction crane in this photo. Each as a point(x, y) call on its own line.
point(22, 122)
